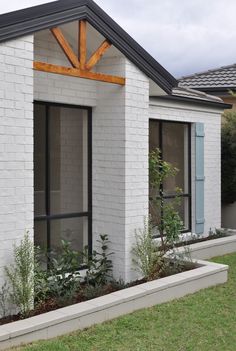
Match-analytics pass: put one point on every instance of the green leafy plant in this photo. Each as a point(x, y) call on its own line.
point(20, 275)
point(172, 224)
point(4, 299)
point(92, 291)
point(218, 233)
point(117, 284)
point(63, 275)
point(164, 222)
point(61, 280)
point(178, 261)
point(228, 157)
point(99, 264)
point(159, 171)
point(153, 260)
point(164, 215)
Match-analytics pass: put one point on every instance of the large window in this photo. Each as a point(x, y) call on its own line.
point(62, 175)
point(174, 141)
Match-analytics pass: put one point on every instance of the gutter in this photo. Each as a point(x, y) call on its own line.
point(208, 103)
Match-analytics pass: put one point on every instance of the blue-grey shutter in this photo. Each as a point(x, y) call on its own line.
point(200, 178)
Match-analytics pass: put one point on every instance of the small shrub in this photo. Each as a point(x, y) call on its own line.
point(21, 276)
point(146, 251)
point(218, 233)
point(117, 284)
point(164, 215)
point(63, 276)
point(159, 171)
point(99, 264)
point(228, 157)
point(4, 299)
point(64, 296)
point(178, 261)
point(41, 286)
point(172, 225)
point(153, 260)
point(92, 291)
point(62, 281)
point(164, 220)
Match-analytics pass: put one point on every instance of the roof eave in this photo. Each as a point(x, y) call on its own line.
point(223, 90)
point(208, 103)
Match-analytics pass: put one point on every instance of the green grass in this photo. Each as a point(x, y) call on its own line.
point(205, 321)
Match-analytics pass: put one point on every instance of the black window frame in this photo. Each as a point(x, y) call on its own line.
point(48, 217)
point(183, 195)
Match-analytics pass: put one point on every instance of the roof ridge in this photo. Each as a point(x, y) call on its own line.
point(7, 17)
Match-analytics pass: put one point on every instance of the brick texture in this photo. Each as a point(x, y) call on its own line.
point(16, 145)
point(120, 168)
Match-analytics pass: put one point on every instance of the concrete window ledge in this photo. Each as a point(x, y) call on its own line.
point(212, 248)
point(105, 308)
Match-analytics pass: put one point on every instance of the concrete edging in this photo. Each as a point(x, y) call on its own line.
point(105, 308)
point(212, 248)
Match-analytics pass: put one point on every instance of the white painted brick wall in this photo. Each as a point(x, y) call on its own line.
point(212, 121)
point(109, 164)
point(16, 145)
point(120, 154)
point(137, 149)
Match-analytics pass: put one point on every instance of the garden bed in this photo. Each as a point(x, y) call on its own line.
point(196, 239)
point(104, 308)
point(51, 304)
point(211, 248)
point(147, 329)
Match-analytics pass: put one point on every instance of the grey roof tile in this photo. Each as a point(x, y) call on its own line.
point(223, 77)
point(191, 93)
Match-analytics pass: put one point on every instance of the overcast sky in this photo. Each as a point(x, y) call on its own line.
point(185, 36)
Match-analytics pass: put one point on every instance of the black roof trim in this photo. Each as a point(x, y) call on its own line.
point(218, 90)
point(208, 103)
point(28, 21)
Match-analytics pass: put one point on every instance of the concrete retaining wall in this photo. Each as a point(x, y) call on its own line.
point(105, 308)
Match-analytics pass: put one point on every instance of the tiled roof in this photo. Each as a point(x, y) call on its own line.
point(194, 94)
point(223, 77)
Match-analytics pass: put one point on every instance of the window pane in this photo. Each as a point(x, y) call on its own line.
point(73, 230)
point(40, 234)
point(154, 141)
point(176, 150)
point(174, 145)
point(39, 159)
point(68, 160)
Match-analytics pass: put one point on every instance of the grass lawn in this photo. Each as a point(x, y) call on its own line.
point(205, 321)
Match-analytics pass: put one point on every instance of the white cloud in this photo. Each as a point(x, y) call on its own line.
point(184, 36)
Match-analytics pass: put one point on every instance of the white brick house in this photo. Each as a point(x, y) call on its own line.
point(74, 151)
